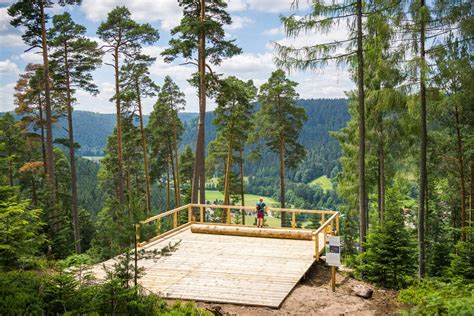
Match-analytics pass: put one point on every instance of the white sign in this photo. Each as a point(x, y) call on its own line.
point(333, 250)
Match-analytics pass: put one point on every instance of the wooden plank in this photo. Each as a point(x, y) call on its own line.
point(225, 269)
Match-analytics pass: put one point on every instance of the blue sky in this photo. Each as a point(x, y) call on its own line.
point(256, 25)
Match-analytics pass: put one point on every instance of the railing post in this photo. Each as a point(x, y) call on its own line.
point(201, 214)
point(228, 215)
point(190, 214)
point(337, 224)
point(323, 218)
point(316, 245)
point(293, 219)
point(175, 219)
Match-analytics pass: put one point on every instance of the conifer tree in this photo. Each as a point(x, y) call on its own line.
point(73, 59)
point(32, 16)
point(322, 18)
point(186, 161)
point(123, 37)
point(201, 33)
point(279, 124)
point(232, 119)
point(136, 82)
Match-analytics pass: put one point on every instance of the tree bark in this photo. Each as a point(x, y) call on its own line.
point(285, 221)
point(145, 151)
point(176, 158)
point(242, 194)
point(43, 145)
point(228, 168)
point(423, 155)
point(363, 214)
point(72, 159)
point(199, 166)
point(173, 170)
point(460, 150)
point(49, 125)
point(34, 200)
point(119, 128)
point(381, 179)
point(168, 185)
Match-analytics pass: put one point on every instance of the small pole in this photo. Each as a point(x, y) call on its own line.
point(293, 220)
point(201, 214)
point(228, 215)
point(333, 272)
point(333, 278)
point(135, 277)
point(190, 216)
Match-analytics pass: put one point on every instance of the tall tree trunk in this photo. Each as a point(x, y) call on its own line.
point(285, 221)
point(199, 165)
point(72, 159)
point(423, 154)
point(43, 141)
point(381, 179)
point(363, 213)
point(460, 150)
point(49, 126)
point(471, 194)
point(176, 161)
point(119, 128)
point(242, 194)
point(173, 170)
point(228, 168)
point(168, 185)
point(145, 152)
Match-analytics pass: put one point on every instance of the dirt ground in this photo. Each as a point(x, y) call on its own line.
point(313, 296)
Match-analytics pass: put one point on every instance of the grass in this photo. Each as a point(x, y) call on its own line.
point(324, 182)
point(250, 199)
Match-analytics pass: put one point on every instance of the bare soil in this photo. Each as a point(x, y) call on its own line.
point(313, 296)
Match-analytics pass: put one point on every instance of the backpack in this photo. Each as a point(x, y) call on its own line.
point(259, 207)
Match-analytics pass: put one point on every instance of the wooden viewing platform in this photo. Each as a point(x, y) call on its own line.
point(228, 263)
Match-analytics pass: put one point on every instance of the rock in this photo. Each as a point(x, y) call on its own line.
point(362, 291)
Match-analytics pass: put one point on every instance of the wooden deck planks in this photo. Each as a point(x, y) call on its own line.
point(226, 269)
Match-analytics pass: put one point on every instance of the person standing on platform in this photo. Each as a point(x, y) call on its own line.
point(260, 212)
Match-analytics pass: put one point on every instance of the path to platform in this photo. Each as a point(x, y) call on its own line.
point(226, 269)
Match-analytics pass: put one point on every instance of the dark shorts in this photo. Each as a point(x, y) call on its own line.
point(260, 215)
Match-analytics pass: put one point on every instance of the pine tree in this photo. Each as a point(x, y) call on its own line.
point(136, 82)
point(123, 37)
point(73, 59)
point(201, 31)
point(31, 15)
point(166, 129)
point(186, 160)
point(389, 259)
point(232, 119)
point(279, 124)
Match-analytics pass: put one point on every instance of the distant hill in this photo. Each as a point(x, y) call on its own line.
point(92, 129)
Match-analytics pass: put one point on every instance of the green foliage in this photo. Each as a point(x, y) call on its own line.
point(187, 33)
point(462, 259)
point(389, 259)
point(21, 234)
point(438, 297)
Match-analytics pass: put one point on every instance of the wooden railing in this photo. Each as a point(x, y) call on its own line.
point(174, 220)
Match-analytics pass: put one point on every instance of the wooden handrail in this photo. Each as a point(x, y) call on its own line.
point(333, 220)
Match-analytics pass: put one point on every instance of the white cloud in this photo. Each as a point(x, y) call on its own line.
point(167, 12)
point(273, 31)
point(4, 20)
point(11, 40)
point(8, 67)
point(32, 56)
point(248, 64)
point(6, 97)
point(239, 22)
point(264, 5)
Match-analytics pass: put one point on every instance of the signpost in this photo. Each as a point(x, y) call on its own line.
point(333, 256)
